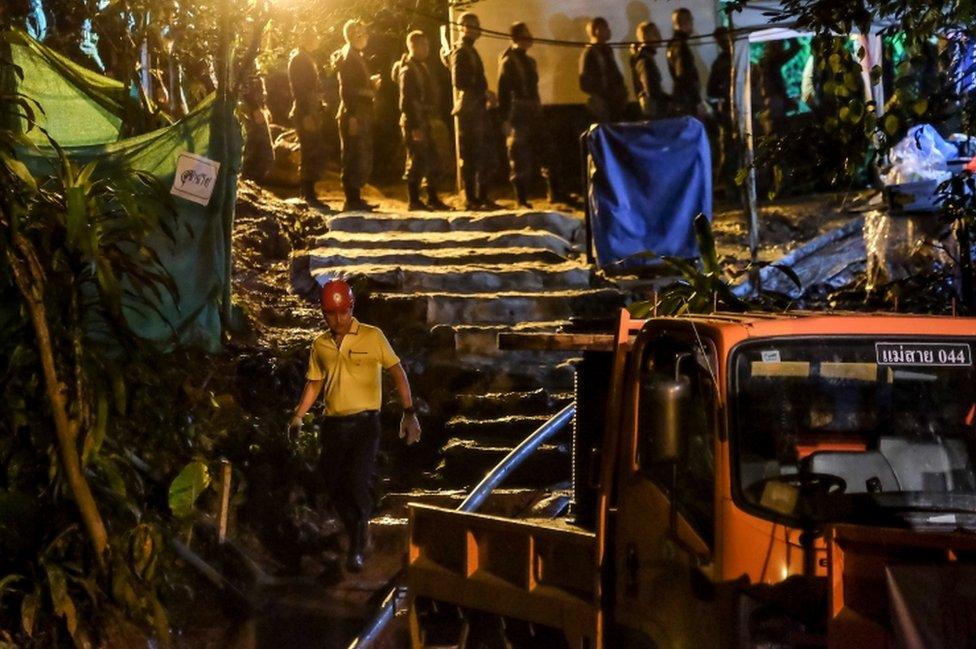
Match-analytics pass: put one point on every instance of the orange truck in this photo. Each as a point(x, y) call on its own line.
point(740, 480)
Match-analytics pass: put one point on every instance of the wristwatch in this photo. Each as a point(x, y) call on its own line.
point(410, 411)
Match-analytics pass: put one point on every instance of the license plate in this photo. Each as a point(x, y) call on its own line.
point(924, 354)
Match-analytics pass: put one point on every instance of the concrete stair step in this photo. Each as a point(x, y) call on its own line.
point(464, 277)
point(567, 226)
point(482, 339)
point(489, 308)
point(457, 256)
point(465, 379)
point(464, 462)
point(503, 404)
point(510, 427)
point(455, 239)
point(501, 502)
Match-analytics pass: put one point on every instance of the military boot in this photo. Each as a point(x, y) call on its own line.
point(521, 195)
point(434, 202)
point(413, 192)
point(356, 558)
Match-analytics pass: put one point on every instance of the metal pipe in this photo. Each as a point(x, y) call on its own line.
point(474, 500)
point(515, 458)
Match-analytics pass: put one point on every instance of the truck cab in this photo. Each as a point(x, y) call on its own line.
point(744, 480)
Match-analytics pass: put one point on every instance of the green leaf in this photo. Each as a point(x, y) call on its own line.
point(64, 606)
point(6, 583)
point(20, 170)
point(187, 487)
point(891, 124)
point(95, 437)
point(28, 611)
point(920, 106)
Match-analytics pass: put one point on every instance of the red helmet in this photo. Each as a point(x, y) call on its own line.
point(337, 296)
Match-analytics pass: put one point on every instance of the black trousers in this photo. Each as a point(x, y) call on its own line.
point(347, 463)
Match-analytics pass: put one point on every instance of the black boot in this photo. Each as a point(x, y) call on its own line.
point(470, 193)
point(413, 192)
point(355, 203)
point(357, 547)
point(556, 195)
point(435, 203)
point(485, 202)
point(521, 195)
point(311, 198)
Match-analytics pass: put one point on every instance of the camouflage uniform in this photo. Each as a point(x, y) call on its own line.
point(521, 108)
point(686, 89)
point(416, 107)
point(306, 114)
point(356, 104)
point(654, 102)
point(471, 110)
point(601, 79)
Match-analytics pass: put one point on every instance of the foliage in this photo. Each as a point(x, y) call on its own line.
point(80, 542)
point(705, 287)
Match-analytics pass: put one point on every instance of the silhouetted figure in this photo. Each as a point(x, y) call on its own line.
point(717, 90)
point(356, 91)
point(418, 103)
point(654, 102)
point(258, 149)
point(599, 76)
point(471, 109)
point(772, 85)
point(686, 85)
point(307, 115)
point(521, 111)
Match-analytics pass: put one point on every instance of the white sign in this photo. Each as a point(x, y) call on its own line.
point(195, 178)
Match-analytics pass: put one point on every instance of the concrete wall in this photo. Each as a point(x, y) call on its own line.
point(566, 20)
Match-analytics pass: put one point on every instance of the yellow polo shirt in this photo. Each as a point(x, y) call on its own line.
point(353, 372)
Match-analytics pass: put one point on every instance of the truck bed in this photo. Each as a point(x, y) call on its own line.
point(540, 571)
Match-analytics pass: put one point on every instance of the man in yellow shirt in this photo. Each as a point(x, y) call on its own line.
point(347, 361)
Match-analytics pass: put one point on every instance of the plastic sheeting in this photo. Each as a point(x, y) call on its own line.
point(83, 113)
point(647, 182)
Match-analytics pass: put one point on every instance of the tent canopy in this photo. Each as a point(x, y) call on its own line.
point(88, 114)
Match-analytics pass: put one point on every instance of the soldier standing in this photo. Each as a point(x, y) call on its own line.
point(417, 105)
point(599, 76)
point(471, 110)
point(356, 91)
point(717, 89)
point(521, 110)
point(306, 114)
point(654, 102)
point(686, 89)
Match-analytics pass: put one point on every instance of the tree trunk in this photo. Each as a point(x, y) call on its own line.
point(29, 279)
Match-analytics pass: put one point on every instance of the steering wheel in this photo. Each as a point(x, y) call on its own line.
point(808, 484)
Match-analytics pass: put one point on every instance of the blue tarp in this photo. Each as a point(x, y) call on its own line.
point(647, 182)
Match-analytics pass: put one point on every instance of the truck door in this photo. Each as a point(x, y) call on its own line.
point(665, 518)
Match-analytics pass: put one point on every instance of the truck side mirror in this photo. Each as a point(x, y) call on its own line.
point(664, 407)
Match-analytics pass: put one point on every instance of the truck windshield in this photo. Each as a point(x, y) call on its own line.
point(867, 430)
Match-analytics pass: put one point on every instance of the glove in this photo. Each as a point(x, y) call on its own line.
point(410, 428)
point(294, 427)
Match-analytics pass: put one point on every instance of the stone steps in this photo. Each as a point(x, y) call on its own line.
point(567, 226)
point(336, 258)
point(501, 502)
point(432, 240)
point(474, 277)
point(495, 308)
point(465, 461)
point(502, 404)
point(510, 427)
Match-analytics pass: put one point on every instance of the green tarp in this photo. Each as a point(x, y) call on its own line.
point(84, 114)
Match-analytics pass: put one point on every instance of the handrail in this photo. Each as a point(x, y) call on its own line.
point(473, 501)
